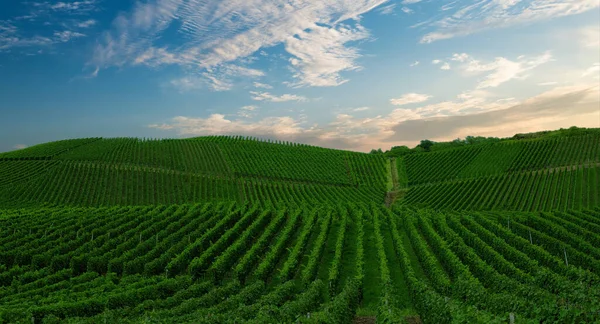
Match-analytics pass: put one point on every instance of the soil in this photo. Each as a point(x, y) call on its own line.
point(372, 320)
point(364, 320)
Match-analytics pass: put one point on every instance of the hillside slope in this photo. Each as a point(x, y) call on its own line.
point(539, 174)
point(235, 230)
point(529, 175)
point(126, 171)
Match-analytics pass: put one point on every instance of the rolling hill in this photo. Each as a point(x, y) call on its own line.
point(233, 229)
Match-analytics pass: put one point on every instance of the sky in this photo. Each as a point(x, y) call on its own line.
point(346, 74)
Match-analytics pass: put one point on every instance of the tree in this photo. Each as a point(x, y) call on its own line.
point(426, 145)
point(398, 151)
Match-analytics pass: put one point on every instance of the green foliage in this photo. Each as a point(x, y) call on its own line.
point(231, 230)
point(398, 151)
point(530, 191)
point(426, 145)
point(45, 151)
point(130, 171)
point(486, 269)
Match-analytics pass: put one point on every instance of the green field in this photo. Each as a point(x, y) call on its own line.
point(232, 230)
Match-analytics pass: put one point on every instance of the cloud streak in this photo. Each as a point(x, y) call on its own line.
point(314, 35)
point(78, 6)
point(501, 70)
point(265, 96)
point(220, 78)
point(218, 124)
point(262, 85)
point(247, 111)
point(387, 10)
point(484, 15)
point(558, 107)
point(409, 98)
point(17, 32)
point(87, 23)
point(67, 35)
point(593, 71)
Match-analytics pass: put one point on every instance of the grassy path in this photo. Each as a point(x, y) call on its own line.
point(394, 172)
point(394, 193)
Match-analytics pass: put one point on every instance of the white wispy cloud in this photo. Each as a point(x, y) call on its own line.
point(415, 63)
point(236, 70)
point(320, 55)
point(262, 85)
point(593, 71)
point(7, 28)
point(361, 109)
point(315, 34)
point(407, 10)
point(13, 41)
point(555, 108)
point(86, 24)
point(466, 102)
point(549, 83)
point(247, 111)
point(16, 32)
point(188, 83)
point(67, 35)
point(387, 10)
point(19, 146)
point(86, 5)
point(218, 124)
point(409, 98)
point(490, 14)
point(444, 65)
point(220, 78)
point(40, 11)
point(9, 37)
point(265, 96)
point(215, 83)
point(448, 6)
point(163, 126)
point(204, 81)
point(590, 36)
point(501, 70)
point(91, 75)
point(473, 112)
point(460, 57)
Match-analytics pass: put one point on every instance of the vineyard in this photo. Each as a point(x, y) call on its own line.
point(229, 263)
point(237, 230)
point(124, 171)
point(544, 190)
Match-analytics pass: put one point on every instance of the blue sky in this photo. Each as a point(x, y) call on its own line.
point(349, 74)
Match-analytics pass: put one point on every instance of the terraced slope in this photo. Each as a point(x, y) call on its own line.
point(47, 150)
point(126, 171)
point(503, 157)
point(533, 175)
point(234, 230)
point(232, 263)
